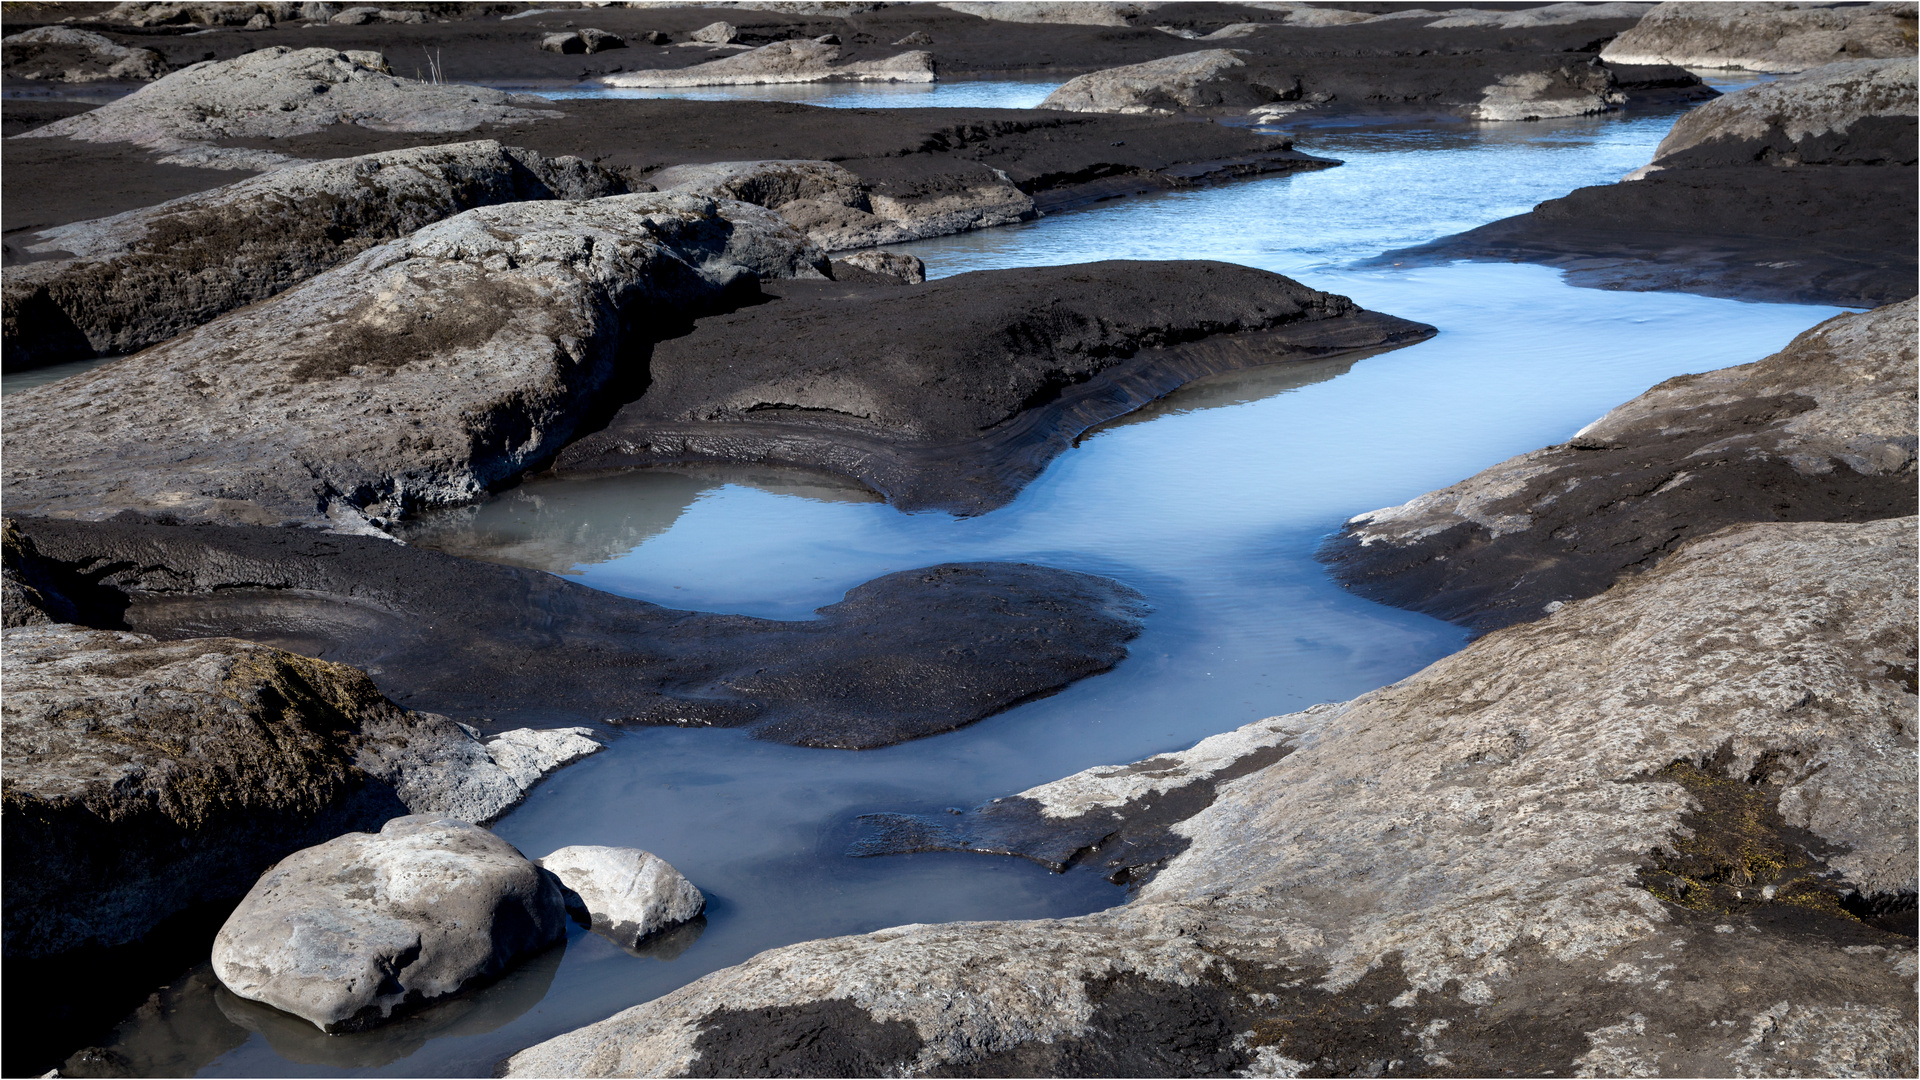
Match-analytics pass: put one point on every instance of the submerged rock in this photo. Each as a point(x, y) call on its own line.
point(1861, 112)
point(625, 894)
point(64, 54)
point(1821, 431)
point(1656, 829)
point(345, 933)
point(795, 61)
point(419, 372)
point(139, 278)
point(954, 394)
point(1765, 37)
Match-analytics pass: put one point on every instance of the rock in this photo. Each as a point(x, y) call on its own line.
point(904, 268)
point(345, 933)
point(1231, 30)
point(361, 16)
point(1646, 834)
point(655, 37)
point(420, 372)
point(910, 654)
point(838, 211)
point(173, 14)
point(64, 54)
point(1071, 13)
point(1544, 15)
point(28, 595)
point(1765, 37)
point(1177, 83)
point(1571, 90)
point(447, 769)
point(954, 394)
point(568, 42)
point(587, 40)
point(280, 92)
point(795, 61)
point(601, 40)
point(1860, 112)
point(624, 893)
point(241, 243)
point(919, 39)
point(1820, 431)
point(262, 21)
point(719, 33)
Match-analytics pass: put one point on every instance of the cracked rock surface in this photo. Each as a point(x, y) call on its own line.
point(1765, 37)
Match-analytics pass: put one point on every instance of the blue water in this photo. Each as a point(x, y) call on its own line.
point(1211, 502)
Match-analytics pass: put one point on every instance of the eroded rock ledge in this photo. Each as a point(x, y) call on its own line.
point(1661, 830)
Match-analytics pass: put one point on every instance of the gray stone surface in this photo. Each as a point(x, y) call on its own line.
point(716, 33)
point(893, 264)
point(1174, 84)
point(624, 893)
point(280, 92)
point(585, 40)
point(440, 767)
point(794, 61)
point(1501, 865)
point(1072, 13)
point(838, 211)
point(139, 278)
point(1576, 89)
point(345, 933)
point(1792, 115)
point(66, 54)
point(1765, 36)
point(419, 372)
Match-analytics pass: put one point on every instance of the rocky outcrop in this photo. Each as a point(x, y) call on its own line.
point(954, 394)
point(1658, 831)
point(901, 267)
point(1543, 15)
point(1071, 13)
point(1197, 80)
point(1766, 37)
point(417, 373)
point(363, 15)
point(716, 33)
point(1860, 112)
point(280, 92)
point(1820, 431)
point(911, 654)
point(144, 276)
point(584, 40)
point(348, 932)
point(1572, 90)
point(64, 54)
point(144, 13)
point(795, 61)
point(625, 894)
point(838, 211)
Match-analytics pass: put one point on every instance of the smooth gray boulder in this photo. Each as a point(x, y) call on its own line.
point(280, 92)
point(838, 211)
point(717, 33)
point(361, 16)
point(1577, 89)
point(795, 61)
point(898, 265)
point(1194, 80)
point(1765, 36)
point(1654, 834)
point(417, 373)
point(1857, 112)
point(139, 278)
point(346, 933)
point(66, 54)
point(625, 894)
point(1070, 13)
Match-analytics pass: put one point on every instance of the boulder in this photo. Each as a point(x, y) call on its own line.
point(901, 267)
point(1070, 13)
point(418, 373)
point(838, 211)
point(361, 16)
point(952, 395)
point(1195, 80)
point(587, 40)
point(64, 54)
point(565, 42)
point(1765, 36)
point(280, 92)
point(795, 61)
point(1821, 431)
point(625, 894)
point(139, 278)
point(601, 40)
point(348, 932)
point(719, 33)
point(1570, 90)
point(1667, 830)
point(1857, 112)
point(1544, 15)
point(140, 13)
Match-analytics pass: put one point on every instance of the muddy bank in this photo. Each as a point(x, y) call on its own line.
point(904, 656)
point(1820, 431)
point(954, 394)
point(1670, 830)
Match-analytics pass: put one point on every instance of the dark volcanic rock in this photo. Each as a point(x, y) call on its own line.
point(955, 393)
point(63, 54)
point(911, 654)
point(1820, 431)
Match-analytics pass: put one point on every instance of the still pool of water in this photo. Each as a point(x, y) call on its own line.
point(1211, 502)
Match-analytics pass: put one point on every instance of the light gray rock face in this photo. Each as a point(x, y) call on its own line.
point(142, 13)
point(838, 211)
point(1821, 105)
point(447, 769)
point(1765, 36)
point(1174, 84)
point(361, 16)
point(893, 264)
point(1570, 90)
point(1501, 864)
point(1544, 15)
point(587, 40)
point(797, 61)
point(718, 33)
point(280, 92)
point(346, 933)
point(144, 276)
point(64, 54)
point(1070, 13)
point(625, 894)
point(419, 372)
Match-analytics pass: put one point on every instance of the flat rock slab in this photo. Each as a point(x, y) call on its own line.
point(1519, 861)
point(348, 932)
point(911, 654)
point(954, 394)
point(625, 894)
point(1765, 37)
point(64, 54)
point(1820, 431)
point(1858, 112)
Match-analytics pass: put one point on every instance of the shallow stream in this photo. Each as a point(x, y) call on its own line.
point(1211, 502)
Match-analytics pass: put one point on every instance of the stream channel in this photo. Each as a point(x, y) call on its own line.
point(1211, 502)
